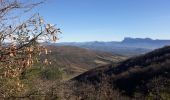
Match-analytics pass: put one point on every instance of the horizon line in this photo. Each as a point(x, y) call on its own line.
point(113, 40)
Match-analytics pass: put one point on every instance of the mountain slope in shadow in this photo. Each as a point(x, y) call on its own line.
point(133, 74)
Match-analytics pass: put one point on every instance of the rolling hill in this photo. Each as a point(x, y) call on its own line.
point(75, 60)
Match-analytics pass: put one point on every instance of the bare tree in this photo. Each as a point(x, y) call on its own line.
point(19, 43)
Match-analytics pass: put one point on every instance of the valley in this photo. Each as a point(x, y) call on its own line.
point(75, 60)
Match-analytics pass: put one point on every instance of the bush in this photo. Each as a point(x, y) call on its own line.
point(53, 73)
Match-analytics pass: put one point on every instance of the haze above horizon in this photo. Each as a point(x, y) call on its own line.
point(108, 20)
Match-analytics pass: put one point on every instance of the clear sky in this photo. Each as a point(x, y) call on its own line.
point(108, 20)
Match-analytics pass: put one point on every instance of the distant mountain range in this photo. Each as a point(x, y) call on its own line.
point(145, 43)
point(129, 46)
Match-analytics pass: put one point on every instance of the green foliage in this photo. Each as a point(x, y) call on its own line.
point(32, 73)
point(41, 81)
point(44, 73)
point(51, 73)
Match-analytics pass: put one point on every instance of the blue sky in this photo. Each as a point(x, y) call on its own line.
point(108, 20)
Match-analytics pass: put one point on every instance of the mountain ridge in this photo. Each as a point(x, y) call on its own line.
point(127, 47)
